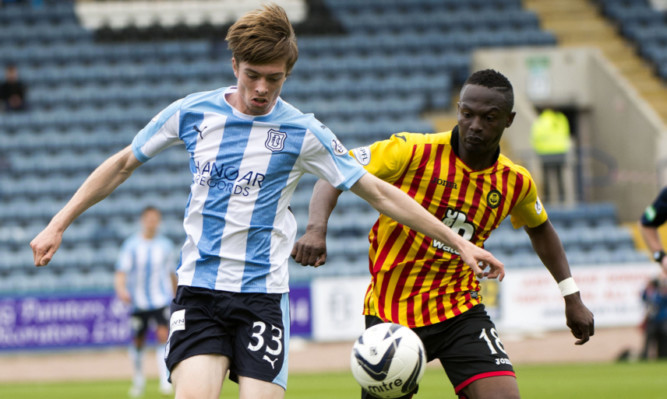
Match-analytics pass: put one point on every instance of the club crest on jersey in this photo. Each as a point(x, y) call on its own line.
point(493, 199)
point(338, 147)
point(275, 140)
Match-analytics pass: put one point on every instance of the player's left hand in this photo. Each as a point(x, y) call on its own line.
point(311, 249)
point(579, 318)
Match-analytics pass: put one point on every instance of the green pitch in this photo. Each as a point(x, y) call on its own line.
point(572, 381)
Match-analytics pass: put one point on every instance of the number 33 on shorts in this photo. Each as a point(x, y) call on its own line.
point(267, 341)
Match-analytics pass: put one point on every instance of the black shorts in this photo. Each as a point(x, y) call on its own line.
point(142, 319)
point(252, 329)
point(467, 346)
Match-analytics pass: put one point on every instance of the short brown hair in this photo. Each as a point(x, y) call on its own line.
point(263, 36)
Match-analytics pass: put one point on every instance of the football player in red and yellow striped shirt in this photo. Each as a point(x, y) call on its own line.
point(462, 178)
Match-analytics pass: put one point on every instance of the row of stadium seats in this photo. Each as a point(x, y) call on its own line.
point(46, 281)
point(337, 89)
point(645, 26)
point(42, 35)
point(105, 139)
point(85, 51)
point(582, 237)
point(415, 20)
point(429, 41)
point(424, 6)
point(206, 70)
point(55, 12)
point(333, 111)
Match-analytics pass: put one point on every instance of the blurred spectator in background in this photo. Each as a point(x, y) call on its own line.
point(13, 90)
point(653, 217)
point(146, 280)
point(655, 296)
point(649, 325)
point(550, 137)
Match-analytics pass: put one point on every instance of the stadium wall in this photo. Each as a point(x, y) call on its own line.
point(621, 142)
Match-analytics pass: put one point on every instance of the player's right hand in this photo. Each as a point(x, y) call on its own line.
point(310, 249)
point(124, 297)
point(44, 246)
point(479, 259)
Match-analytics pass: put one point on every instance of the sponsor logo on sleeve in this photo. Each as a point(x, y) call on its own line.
point(538, 206)
point(338, 147)
point(362, 155)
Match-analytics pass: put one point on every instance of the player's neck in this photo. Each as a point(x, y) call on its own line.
point(148, 235)
point(474, 160)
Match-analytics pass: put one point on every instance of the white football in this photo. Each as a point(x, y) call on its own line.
point(388, 360)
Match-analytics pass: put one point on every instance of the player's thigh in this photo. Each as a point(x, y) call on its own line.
point(251, 388)
point(501, 387)
point(200, 377)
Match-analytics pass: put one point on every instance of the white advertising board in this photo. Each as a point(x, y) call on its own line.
point(526, 300)
point(337, 307)
point(530, 299)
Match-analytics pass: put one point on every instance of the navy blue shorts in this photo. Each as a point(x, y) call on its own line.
point(252, 329)
point(467, 346)
point(142, 319)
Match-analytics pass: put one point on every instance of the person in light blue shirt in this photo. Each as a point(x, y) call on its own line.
point(145, 279)
point(247, 148)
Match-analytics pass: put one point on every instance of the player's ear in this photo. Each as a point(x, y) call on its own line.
point(235, 67)
point(510, 119)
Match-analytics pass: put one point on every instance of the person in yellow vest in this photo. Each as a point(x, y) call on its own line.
point(550, 137)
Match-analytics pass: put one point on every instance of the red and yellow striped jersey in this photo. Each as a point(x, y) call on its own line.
point(417, 280)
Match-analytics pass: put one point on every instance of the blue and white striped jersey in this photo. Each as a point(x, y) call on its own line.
point(148, 265)
point(239, 230)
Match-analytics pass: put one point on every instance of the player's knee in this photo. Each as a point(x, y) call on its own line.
point(162, 333)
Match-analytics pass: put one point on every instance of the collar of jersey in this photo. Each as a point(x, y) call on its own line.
point(455, 146)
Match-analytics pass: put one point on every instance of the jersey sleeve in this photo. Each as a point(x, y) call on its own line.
point(655, 214)
point(529, 210)
point(327, 158)
point(161, 132)
point(124, 261)
point(386, 159)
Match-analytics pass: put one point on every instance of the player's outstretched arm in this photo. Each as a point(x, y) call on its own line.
point(399, 206)
point(109, 175)
point(311, 248)
point(549, 248)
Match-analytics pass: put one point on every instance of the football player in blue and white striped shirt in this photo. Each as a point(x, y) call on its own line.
point(146, 279)
point(248, 148)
